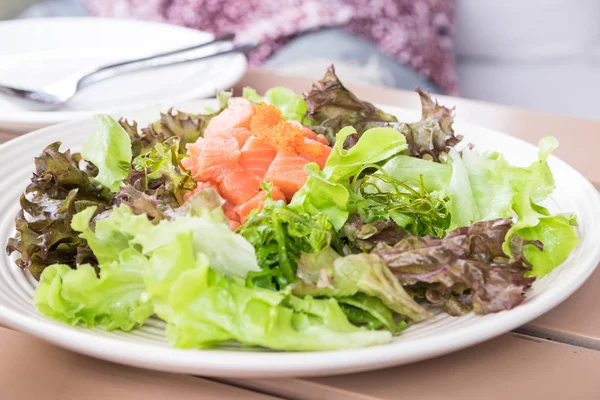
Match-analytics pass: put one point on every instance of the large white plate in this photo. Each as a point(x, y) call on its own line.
point(147, 347)
point(37, 52)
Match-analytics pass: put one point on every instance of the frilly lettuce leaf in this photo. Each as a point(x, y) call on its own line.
point(320, 195)
point(327, 274)
point(484, 186)
point(328, 191)
point(252, 95)
point(492, 188)
point(556, 232)
point(363, 310)
point(432, 137)
point(375, 145)
point(292, 106)
point(332, 107)
point(157, 182)
point(205, 309)
point(468, 268)
point(126, 246)
point(61, 185)
point(115, 300)
point(403, 168)
point(228, 252)
point(109, 149)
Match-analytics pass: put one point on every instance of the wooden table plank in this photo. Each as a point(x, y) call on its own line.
point(5, 136)
point(32, 369)
point(576, 321)
point(509, 367)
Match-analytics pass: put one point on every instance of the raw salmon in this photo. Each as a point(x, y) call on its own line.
point(239, 186)
point(287, 172)
point(240, 135)
point(237, 115)
point(319, 159)
point(243, 210)
point(306, 131)
point(257, 156)
point(323, 139)
point(212, 159)
point(234, 219)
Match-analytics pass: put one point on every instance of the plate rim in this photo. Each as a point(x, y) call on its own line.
point(21, 120)
point(223, 363)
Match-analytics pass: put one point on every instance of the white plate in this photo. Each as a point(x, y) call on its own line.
point(148, 348)
point(37, 52)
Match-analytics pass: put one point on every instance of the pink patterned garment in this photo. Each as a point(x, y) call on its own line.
point(417, 33)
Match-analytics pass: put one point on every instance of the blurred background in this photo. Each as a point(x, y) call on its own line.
point(542, 55)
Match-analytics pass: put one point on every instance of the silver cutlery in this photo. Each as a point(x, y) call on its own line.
point(55, 95)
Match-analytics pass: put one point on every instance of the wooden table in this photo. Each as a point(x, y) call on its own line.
point(554, 357)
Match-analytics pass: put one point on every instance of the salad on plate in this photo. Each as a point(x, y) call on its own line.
point(292, 222)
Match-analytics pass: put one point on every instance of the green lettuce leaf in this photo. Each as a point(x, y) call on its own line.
point(292, 106)
point(482, 186)
point(556, 232)
point(403, 168)
point(109, 149)
point(252, 95)
point(115, 300)
point(327, 274)
point(320, 195)
point(375, 145)
point(363, 310)
point(328, 191)
point(130, 281)
point(228, 252)
point(207, 309)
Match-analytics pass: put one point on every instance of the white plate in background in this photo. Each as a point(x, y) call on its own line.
point(37, 52)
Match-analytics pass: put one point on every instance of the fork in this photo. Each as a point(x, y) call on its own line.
point(57, 94)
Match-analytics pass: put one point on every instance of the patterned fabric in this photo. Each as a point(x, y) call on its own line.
point(417, 33)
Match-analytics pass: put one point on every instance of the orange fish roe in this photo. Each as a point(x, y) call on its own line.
point(268, 125)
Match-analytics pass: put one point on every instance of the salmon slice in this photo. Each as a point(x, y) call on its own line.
point(240, 135)
point(323, 139)
point(287, 172)
point(258, 201)
point(239, 186)
point(234, 219)
point(257, 156)
point(237, 115)
point(306, 131)
point(212, 159)
point(319, 159)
